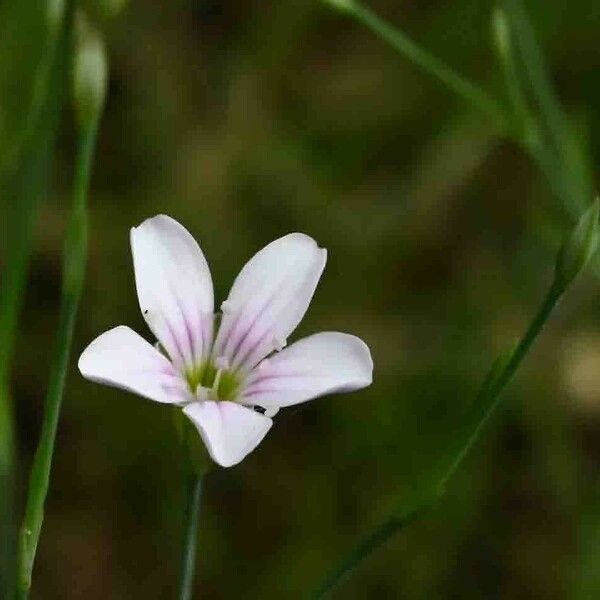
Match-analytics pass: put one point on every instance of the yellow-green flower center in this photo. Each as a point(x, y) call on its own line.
point(224, 384)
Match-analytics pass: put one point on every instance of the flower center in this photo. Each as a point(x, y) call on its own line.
point(219, 384)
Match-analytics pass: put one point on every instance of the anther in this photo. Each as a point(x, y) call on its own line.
point(222, 362)
point(216, 382)
point(203, 393)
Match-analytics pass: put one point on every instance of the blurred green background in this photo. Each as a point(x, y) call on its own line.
point(246, 120)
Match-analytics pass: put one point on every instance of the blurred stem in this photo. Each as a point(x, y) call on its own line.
point(190, 540)
point(22, 183)
point(547, 136)
point(19, 227)
point(400, 42)
point(585, 576)
point(75, 251)
point(534, 69)
point(525, 125)
point(482, 409)
point(377, 538)
point(489, 397)
point(11, 154)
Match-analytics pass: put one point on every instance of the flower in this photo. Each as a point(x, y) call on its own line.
point(232, 384)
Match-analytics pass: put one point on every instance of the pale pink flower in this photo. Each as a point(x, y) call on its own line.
point(232, 384)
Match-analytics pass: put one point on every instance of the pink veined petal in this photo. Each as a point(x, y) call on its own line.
point(123, 359)
point(229, 431)
point(268, 299)
point(320, 364)
point(174, 288)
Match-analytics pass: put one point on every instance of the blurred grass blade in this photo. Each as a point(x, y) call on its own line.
point(18, 235)
point(30, 30)
point(537, 135)
point(31, 68)
point(523, 117)
point(400, 42)
point(586, 575)
point(555, 147)
point(89, 73)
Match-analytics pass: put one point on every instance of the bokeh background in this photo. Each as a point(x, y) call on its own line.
point(246, 120)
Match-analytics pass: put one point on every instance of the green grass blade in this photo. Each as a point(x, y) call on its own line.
point(89, 71)
point(586, 573)
point(374, 540)
point(73, 270)
point(30, 91)
point(30, 31)
point(555, 147)
point(401, 43)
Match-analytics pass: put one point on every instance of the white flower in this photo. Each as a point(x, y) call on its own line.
point(230, 385)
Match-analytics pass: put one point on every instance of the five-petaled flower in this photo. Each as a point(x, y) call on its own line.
point(232, 384)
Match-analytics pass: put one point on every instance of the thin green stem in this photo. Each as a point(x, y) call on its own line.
point(535, 69)
point(526, 128)
point(73, 276)
point(488, 399)
point(190, 539)
point(552, 143)
point(400, 42)
point(482, 409)
point(11, 154)
point(376, 539)
point(22, 184)
point(19, 233)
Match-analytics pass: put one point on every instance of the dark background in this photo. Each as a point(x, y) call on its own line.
point(246, 120)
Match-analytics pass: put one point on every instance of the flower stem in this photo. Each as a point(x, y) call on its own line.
point(482, 409)
point(375, 539)
point(400, 42)
point(190, 539)
point(73, 276)
point(489, 396)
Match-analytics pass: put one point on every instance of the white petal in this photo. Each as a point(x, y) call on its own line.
point(174, 288)
point(320, 364)
point(123, 359)
point(229, 431)
point(268, 299)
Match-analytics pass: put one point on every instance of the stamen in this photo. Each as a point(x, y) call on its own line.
point(203, 393)
point(215, 385)
point(259, 409)
point(222, 362)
